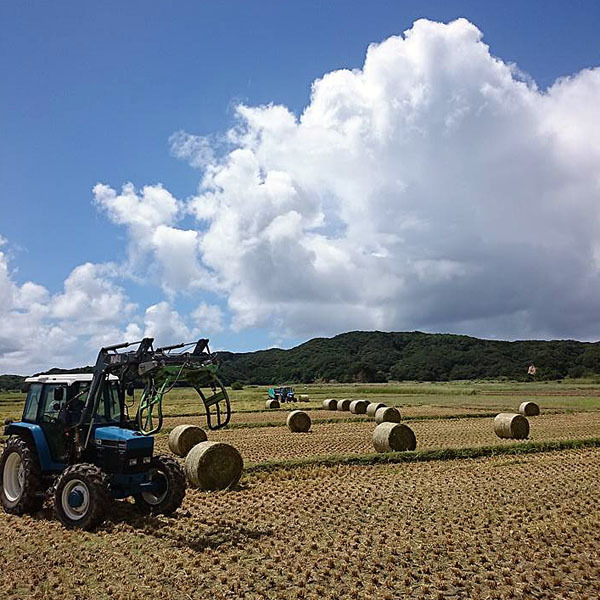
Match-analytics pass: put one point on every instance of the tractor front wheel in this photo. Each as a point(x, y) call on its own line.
point(168, 489)
point(81, 496)
point(21, 490)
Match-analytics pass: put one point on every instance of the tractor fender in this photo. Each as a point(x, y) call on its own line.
point(35, 433)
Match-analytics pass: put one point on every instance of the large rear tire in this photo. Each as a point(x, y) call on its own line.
point(81, 496)
point(170, 489)
point(21, 488)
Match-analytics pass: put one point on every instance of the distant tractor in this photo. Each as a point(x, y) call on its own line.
point(76, 441)
point(282, 394)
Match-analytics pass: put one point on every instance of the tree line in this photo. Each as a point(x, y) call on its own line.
point(375, 356)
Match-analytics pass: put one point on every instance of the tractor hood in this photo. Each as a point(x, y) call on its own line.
point(124, 438)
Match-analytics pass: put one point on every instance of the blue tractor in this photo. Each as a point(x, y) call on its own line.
point(282, 394)
point(76, 441)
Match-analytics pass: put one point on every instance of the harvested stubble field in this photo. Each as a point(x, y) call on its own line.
point(522, 526)
point(504, 527)
point(278, 443)
point(273, 416)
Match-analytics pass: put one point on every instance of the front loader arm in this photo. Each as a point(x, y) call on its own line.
point(109, 362)
point(161, 370)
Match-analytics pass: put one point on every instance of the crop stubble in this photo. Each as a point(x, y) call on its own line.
point(273, 443)
point(493, 528)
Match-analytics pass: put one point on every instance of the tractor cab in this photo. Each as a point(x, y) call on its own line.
point(55, 404)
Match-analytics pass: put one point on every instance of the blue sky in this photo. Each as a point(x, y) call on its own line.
point(92, 92)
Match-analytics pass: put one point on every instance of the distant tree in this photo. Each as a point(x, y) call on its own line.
point(576, 372)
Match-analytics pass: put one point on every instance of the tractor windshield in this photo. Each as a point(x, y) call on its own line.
point(109, 409)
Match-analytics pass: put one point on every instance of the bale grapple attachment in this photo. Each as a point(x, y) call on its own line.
point(166, 369)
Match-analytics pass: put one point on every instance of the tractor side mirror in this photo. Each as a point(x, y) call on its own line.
point(59, 393)
point(130, 389)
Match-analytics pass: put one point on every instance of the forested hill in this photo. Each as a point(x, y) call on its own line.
point(373, 356)
point(11, 382)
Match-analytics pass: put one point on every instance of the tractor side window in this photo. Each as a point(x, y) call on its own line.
point(51, 403)
point(32, 403)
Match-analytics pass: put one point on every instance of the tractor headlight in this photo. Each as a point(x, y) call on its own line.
point(147, 460)
point(132, 462)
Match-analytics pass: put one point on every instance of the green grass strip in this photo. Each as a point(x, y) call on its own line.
point(424, 455)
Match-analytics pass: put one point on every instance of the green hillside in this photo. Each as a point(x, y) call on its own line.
point(373, 356)
point(11, 382)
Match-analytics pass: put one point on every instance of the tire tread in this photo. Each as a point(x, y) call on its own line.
point(32, 499)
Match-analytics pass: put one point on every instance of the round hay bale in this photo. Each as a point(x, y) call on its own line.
point(213, 466)
point(343, 404)
point(184, 437)
point(374, 407)
point(529, 409)
point(272, 403)
point(303, 397)
point(511, 426)
point(298, 421)
point(393, 437)
point(358, 407)
point(330, 404)
point(387, 414)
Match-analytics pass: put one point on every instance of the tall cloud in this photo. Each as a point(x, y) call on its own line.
point(434, 188)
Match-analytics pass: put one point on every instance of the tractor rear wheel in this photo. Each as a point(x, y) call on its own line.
point(169, 480)
point(21, 489)
point(81, 496)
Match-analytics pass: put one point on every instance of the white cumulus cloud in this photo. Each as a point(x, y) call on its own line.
point(434, 188)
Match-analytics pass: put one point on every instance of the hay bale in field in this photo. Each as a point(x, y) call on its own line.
point(213, 466)
point(374, 407)
point(358, 407)
point(298, 421)
point(303, 398)
point(395, 437)
point(272, 403)
point(184, 437)
point(529, 409)
point(511, 426)
point(387, 414)
point(330, 404)
point(343, 404)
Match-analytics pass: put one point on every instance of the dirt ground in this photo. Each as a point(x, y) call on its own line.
point(505, 527)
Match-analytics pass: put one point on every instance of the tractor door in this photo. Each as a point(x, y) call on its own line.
point(32, 404)
point(48, 419)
